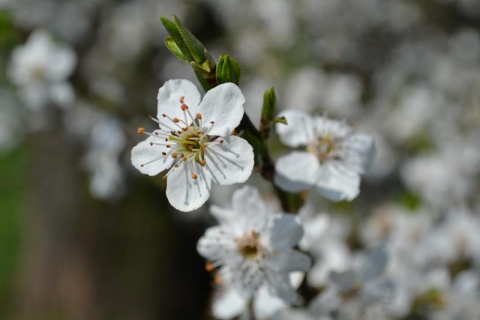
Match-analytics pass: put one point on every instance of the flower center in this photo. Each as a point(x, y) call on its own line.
point(249, 245)
point(323, 147)
point(186, 139)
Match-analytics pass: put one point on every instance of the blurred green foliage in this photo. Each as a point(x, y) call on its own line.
point(12, 204)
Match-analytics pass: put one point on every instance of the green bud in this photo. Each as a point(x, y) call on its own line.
point(228, 70)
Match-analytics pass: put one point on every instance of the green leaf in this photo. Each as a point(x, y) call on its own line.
point(177, 38)
point(268, 108)
point(173, 47)
point(196, 48)
point(228, 70)
point(268, 112)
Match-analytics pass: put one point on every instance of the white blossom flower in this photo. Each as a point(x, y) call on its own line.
point(194, 141)
point(228, 302)
point(253, 246)
point(333, 160)
point(40, 68)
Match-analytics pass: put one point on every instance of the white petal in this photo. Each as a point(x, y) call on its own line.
point(251, 211)
point(63, 62)
point(223, 105)
point(229, 162)
point(374, 263)
point(293, 260)
point(150, 156)
point(228, 304)
point(266, 306)
point(185, 193)
point(169, 100)
point(286, 232)
point(296, 171)
point(299, 130)
point(215, 243)
point(337, 183)
point(364, 148)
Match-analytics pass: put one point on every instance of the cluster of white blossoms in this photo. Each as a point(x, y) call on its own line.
point(252, 250)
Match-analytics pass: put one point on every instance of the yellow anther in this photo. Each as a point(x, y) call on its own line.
point(140, 131)
point(174, 155)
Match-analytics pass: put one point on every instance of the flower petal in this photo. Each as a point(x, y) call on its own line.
point(336, 182)
point(360, 149)
point(229, 162)
point(296, 171)
point(299, 130)
point(251, 211)
point(185, 193)
point(148, 159)
point(223, 105)
point(228, 303)
point(169, 100)
point(286, 232)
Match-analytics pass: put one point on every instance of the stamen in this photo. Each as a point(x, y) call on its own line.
point(140, 131)
point(194, 176)
point(182, 99)
point(208, 266)
point(175, 120)
point(199, 116)
point(174, 155)
point(184, 107)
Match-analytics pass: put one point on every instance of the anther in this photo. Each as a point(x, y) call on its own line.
point(164, 153)
point(184, 107)
point(164, 177)
point(176, 165)
point(194, 176)
point(140, 131)
point(164, 115)
point(175, 120)
point(212, 122)
point(184, 158)
point(174, 155)
point(142, 165)
point(168, 146)
point(201, 162)
point(208, 266)
point(199, 116)
point(182, 99)
point(221, 141)
point(151, 144)
point(185, 128)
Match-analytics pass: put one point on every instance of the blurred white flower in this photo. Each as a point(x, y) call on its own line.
point(254, 247)
point(229, 302)
point(40, 68)
point(106, 144)
point(194, 140)
point(333, 162)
